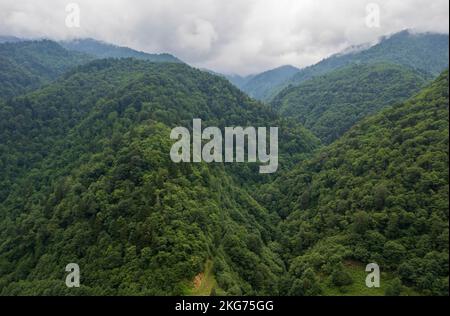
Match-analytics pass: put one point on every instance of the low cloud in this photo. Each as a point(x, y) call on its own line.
point(230, 36)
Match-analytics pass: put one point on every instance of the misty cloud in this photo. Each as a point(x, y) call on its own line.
point(231, 36)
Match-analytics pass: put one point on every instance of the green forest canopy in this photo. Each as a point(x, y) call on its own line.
point(85, 177)
point(378, 194)
point(331, 104)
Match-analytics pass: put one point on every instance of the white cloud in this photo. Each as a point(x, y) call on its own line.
point(232, 36)
point(197, 35)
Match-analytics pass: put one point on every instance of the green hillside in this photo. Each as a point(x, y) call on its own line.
point(378, 194)
point(265, 85)
point(27, 65)
point(86, 178)
point(101, 49)
point(422, 51)
point(239, 81)
point(425, 52)
point(331, 104)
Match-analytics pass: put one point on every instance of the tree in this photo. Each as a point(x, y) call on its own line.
point(306, 285)
point(394, 288)
point(340, 277)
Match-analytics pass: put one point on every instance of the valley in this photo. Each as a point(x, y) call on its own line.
point(86, 174)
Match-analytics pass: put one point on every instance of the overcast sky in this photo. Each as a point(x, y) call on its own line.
point(228, 36)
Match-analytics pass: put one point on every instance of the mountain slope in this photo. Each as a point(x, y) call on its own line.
point(239, 81)
point(264, 85)
point(56, 109)
point(87, 178)
point(426, 52)
point(29, 64)
point(9, 39)
point(379, 194)
point(331, 104)
point(106, 50)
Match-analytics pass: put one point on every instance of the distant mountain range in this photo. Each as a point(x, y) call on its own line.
point(27, 65)
point(425, 52)
point(330, 104)
point(101, 49)
point(262, 85)
point(9, 39)
point(239, 81)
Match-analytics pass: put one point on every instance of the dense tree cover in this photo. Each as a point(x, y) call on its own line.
point(238, 80)
point(135, 223)
point(87, 178)
point(378, 194)
point(169, 93)
point(426, 52)
point(331, 104)
point(423, 51)
point(27, 65)
point(101, 49)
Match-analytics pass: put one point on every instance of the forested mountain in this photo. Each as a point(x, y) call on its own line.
point(239, 81)
point(378, 194)
point(331, 104)
point(86, 177)
point(29, 64)
point(105, 50)
point(424, 51)
point(264, 85)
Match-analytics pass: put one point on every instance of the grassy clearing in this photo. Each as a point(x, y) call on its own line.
point(358, 287)
point(204, 282)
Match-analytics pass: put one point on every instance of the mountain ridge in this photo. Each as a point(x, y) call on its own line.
point(332, 103)
point(102, 49)
point(425, 51)
point(27, 65)
point(378, 194)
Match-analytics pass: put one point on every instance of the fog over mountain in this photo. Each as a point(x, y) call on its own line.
point(116, 178)
point(230, 36)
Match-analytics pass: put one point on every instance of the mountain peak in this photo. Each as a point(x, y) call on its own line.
point(102, 49)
